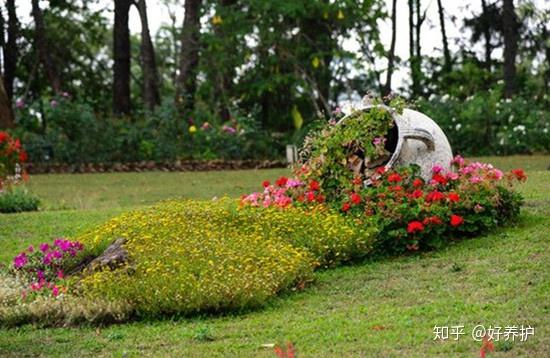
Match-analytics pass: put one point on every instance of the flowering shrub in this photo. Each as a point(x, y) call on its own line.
point(409, 213)
point(413, 214)
point(42, 268)
point(12, 156)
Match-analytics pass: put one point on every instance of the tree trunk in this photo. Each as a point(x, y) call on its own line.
point(391, 54)
point(486, 35)
point(121, 54)
point(224, 82)
point(44, 48)
point(10, 49)
point(510, 26)
point(6, 113)
point(186, 81)
point(412, 48)
point(148, 62)
point(446, 53)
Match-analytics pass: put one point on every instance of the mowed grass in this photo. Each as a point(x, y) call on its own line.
point(381, 308)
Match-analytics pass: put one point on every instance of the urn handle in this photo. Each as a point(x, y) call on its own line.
point(421, 135)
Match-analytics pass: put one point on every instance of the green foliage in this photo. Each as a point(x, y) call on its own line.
point(69, 131)
point(16, 199)
point(505, 126)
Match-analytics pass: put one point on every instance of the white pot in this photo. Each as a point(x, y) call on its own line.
point(419, 141)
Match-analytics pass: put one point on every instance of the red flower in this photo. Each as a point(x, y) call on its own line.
point(346, 206)
point(439, 179)
point(380, 170)
point(266, 183)
point(355, 198)
point(418, 182)
point(519, 174)
point(434, 220)
point(417, 194)
point(314, 185)
point(454, 197)
point(23, 156)
point(281, 181)
point(456, 220)
point(310, 196)
point(320, 198)
point(300, 198)
point(394, 178)
point(357, 181)
point(435, 196)
point(4, 136)
point(415, 226)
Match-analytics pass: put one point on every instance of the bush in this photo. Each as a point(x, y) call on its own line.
point(70, 132)
point(16, 199)
point(506, 126)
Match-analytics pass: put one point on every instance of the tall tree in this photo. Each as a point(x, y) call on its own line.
point(148, 61)
point(186, 81)
point(391, 53)
point(510, 31)
point(121, 54)
point(413, 50)
point(446, 53)
point(485, 15)
point(44, 48)
point(6, 113)
point(10, 49)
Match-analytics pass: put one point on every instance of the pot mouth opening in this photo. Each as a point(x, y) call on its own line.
point(392, 138)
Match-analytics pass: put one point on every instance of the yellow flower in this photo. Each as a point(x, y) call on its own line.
point(340, 15)
point(315, 62)
point(192, 129)
point(217, 20)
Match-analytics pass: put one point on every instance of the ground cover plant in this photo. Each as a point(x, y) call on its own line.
point(470, 283)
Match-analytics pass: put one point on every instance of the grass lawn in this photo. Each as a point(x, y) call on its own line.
point(374, 309)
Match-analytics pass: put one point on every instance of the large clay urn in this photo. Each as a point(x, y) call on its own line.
point(414, 139)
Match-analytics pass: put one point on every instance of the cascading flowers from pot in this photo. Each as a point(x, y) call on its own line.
point(339, 151)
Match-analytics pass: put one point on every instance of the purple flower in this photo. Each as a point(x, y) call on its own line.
point(40, 275)
point(53, 103)
point(20, 260)
point(30, 248)
point(44, 247)
point(57, 254)
point(65, 94)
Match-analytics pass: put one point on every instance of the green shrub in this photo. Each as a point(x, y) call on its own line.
point(17, 199)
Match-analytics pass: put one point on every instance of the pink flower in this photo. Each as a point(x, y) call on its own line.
point(30, 248)
point(436, 169)
point(379, 141)
point(44, 247)
point(60, 275)
point(452, 176)
point(476, 179)
point(19, 103)
point(20, 260)
point(229, 129)
point(55, 291)
point(458, 160)
point(53, 103)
